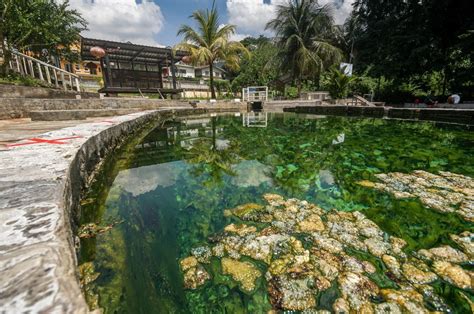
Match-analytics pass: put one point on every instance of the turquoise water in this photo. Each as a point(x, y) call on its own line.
point(170, 186)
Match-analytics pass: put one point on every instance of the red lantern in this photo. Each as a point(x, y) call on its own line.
point(97, 52)
point(186, 59)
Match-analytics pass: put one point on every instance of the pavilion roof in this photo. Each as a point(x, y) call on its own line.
point(128, 52)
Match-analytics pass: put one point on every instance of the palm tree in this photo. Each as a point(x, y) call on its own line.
point(211, 42)
point(303, 30)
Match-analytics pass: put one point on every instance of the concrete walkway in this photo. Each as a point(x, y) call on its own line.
point(19, 129)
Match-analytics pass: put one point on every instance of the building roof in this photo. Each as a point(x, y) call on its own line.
point(128, 52)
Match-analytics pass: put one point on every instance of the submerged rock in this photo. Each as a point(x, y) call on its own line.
point(194, 273)
point(444, 253)
point(454, 274)
point(446, 192)
point(357, 289)
point(466, 241)
point(306, 250)
point(243, 272)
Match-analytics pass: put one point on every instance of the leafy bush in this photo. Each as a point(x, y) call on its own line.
point(337, 83)
point(16, 79)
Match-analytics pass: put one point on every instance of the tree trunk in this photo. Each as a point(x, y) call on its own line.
point(6, 55)
point(298, 86)
point(211, 77)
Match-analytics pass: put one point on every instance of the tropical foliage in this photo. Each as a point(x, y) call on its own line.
point(304, 31)
point(211, 42)
point(43, 27)
point(420, 41)
point(338, 83)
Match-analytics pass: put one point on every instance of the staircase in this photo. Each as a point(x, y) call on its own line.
point(29, 66)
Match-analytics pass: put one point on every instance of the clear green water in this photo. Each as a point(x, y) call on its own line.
point(171, 184)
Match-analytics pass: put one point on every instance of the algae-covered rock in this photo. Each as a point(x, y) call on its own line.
point(306, 250)
point(446, 192)
point(357, 289)
point(466, 241)
point(203, 254)
point(243, 272)
point(417, 276)
point(248, 211)
point(313, 223)
point(408, 300)
point(87, 276)
point(194, 274)
point(454, 274)
point(195, 277)
point(188, 263)
point(444, 253)
point(241, 230)
point(292, 294)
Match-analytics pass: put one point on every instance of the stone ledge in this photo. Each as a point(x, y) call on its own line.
point(80, 114)
point(40, 190)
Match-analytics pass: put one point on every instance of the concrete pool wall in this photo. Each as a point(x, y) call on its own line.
point(40, 188)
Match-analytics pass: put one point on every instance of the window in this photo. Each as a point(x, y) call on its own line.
point(77, 67)
point(68, 67)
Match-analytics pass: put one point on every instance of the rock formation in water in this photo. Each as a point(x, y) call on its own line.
point(308, 251)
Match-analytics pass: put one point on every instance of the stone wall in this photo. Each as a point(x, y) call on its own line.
point(14, 108)
point(338, 110)
point(15, 91)
point(461, 116)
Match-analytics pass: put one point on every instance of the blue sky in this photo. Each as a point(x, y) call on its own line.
point(156, 22)
point(176, 12)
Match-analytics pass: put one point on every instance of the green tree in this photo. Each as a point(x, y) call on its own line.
point(35, 25)
point(211, 42)
point(303, 30)
point(403, 39)
point(259, 70)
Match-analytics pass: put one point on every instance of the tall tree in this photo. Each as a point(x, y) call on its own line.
point(211, 42)
point(402, 39)
point(303, 30)
point(36, 25)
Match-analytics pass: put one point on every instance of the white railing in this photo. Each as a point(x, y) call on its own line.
point(29, 66)
point(255, 93)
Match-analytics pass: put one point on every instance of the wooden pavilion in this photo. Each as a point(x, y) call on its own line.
point(130, 68)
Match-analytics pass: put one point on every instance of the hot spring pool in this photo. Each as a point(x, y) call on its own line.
point(245, 214)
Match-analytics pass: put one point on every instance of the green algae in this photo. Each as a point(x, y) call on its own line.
point(137, 260)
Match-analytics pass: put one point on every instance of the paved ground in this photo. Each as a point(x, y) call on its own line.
point(19, 129)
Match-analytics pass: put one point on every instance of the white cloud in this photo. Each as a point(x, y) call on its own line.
point(251, 16)
point(121, 20)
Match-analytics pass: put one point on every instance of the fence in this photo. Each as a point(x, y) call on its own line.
point(29, 66)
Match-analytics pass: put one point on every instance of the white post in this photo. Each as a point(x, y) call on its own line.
point(32, 70)
point(70, 82)
point(18, 64)
point(48, 75)
point(63, 80)
point(55, 73)
point(41, 77)
point(78, 87)
point(25, 68)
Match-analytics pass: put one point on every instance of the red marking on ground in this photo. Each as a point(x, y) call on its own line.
point(36, 140)
point(108, 121)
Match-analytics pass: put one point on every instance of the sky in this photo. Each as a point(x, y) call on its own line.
point(156, 22)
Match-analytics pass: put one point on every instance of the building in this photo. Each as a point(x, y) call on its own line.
point(184, 70)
